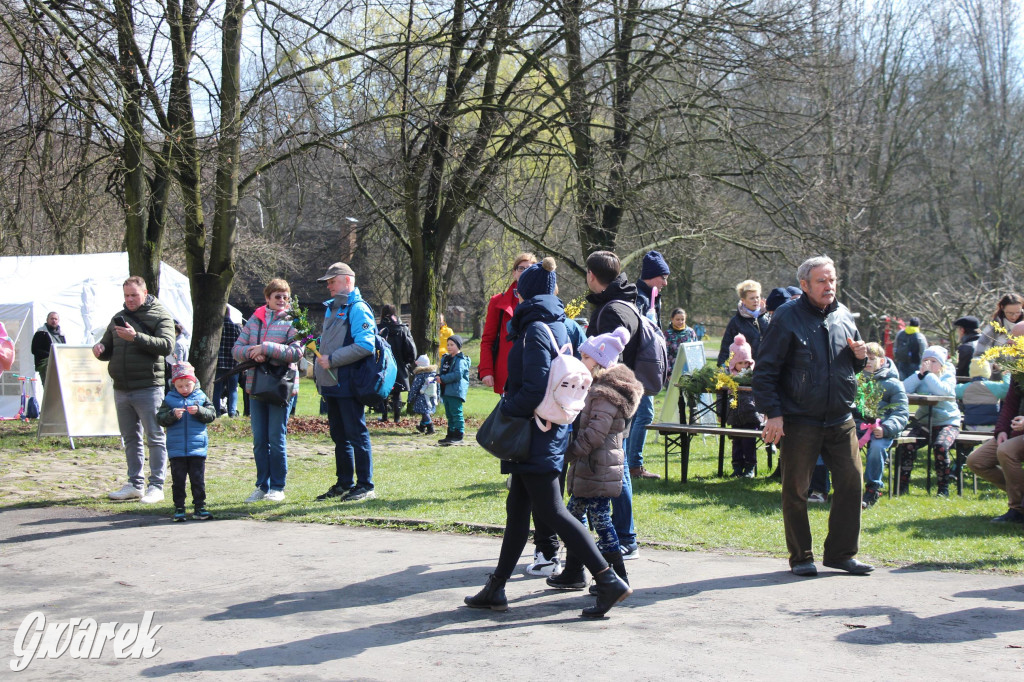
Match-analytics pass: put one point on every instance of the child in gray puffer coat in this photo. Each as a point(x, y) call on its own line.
point(596, 455)
point(424, 393)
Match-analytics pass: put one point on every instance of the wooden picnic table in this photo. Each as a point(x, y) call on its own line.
point(678, 436)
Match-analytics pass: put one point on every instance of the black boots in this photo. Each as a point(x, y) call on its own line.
point(571, 577)
point(491, 597)
point(453, 438)
point(610, 591)
point(618, 565)
point(429, 429)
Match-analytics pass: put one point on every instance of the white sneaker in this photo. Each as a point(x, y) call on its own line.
point(816, 498)
point(153, 495)
point(256, 496)
point(274, 496)
point(127, 492)
point(542, 566)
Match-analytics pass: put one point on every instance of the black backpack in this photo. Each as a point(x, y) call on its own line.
point(651, 363)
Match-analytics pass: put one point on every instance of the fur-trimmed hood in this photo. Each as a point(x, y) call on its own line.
point(425, 369)
point(619, 386)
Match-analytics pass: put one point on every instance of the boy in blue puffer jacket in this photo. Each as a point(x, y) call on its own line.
point(454, 377)
point(185, 412)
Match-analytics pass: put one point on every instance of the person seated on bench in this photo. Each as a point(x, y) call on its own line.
point(998, 461)
point(891, 416)
point(980, 396)
point(935, 377)
point(744, 415)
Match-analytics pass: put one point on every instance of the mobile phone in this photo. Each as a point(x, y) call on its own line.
point(120, 321)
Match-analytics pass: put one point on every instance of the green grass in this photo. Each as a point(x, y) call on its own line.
point(461, 489)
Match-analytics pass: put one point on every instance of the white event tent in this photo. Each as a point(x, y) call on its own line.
point(85, 290)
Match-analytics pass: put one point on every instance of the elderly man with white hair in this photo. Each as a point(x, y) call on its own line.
point(805, 382)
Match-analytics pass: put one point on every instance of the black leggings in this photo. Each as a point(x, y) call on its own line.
point(540, 492)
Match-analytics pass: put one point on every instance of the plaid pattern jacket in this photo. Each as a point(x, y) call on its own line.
point(228, 336)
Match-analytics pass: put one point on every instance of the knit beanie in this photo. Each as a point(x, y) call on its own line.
point(776, 298)
point(457, 340)
point(937, 352)
point(741, 352)
point(654, 265)
point(794, 291)
point(969, 323)
point(422, 361)
point(914, 322)
point(538, 280)
point(183, 370)
point(981, 368)
point(606, 348)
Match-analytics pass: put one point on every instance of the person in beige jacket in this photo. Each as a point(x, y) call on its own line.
point(596, 455)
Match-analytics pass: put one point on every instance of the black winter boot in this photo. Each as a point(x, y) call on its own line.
point(572, 576)
point(610, 591)
point(429, 429)
point(618, 565)
point(491, 597)
point(447, 437)
point(454, 438)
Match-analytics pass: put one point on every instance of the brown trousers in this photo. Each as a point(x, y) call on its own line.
point(1001, 466)
point(837, 446)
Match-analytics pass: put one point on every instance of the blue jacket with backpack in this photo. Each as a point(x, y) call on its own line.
point(529, 363)
point(347, 338)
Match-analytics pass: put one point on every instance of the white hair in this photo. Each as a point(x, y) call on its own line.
point(803, 273)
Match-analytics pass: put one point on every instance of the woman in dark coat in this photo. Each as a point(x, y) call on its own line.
point(534, 482)
point(746, 321)
point(398, 337)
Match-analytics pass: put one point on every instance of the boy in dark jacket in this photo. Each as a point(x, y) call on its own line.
point(454, 377)
point(185, 412)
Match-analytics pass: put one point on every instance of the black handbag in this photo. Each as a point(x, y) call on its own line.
point(505, 437)
point(273, 383)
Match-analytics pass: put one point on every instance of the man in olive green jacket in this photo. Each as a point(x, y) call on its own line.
point(134, 344)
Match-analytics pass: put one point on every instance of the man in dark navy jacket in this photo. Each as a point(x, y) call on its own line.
point(805, 382)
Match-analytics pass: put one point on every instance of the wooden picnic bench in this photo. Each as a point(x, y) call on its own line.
point(678, 436)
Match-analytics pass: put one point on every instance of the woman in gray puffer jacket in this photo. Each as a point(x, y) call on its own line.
point(596, 456)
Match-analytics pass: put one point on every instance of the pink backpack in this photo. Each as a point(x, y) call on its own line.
point(568, 384)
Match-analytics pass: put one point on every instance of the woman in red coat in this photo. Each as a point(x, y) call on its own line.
point(494, 346)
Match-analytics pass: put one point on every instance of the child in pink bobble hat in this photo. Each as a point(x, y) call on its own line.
point(744, 415)
point(596, 457)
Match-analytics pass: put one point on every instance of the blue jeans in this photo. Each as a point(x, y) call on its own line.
point(622, 511)
point(229, 388)
point(352, 454)
point(269, 426)
point(638, 432)
point(878, 455)
point(136, 412)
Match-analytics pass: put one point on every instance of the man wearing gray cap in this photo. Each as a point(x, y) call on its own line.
point(348, 337)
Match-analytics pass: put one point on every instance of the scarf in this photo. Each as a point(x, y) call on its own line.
point(911, 330)
point(744, 311)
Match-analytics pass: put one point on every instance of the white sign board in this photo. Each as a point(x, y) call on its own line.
point(78, 399)
point(689, 358)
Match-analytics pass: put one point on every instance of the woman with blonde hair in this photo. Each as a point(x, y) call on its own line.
point(746, 321)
